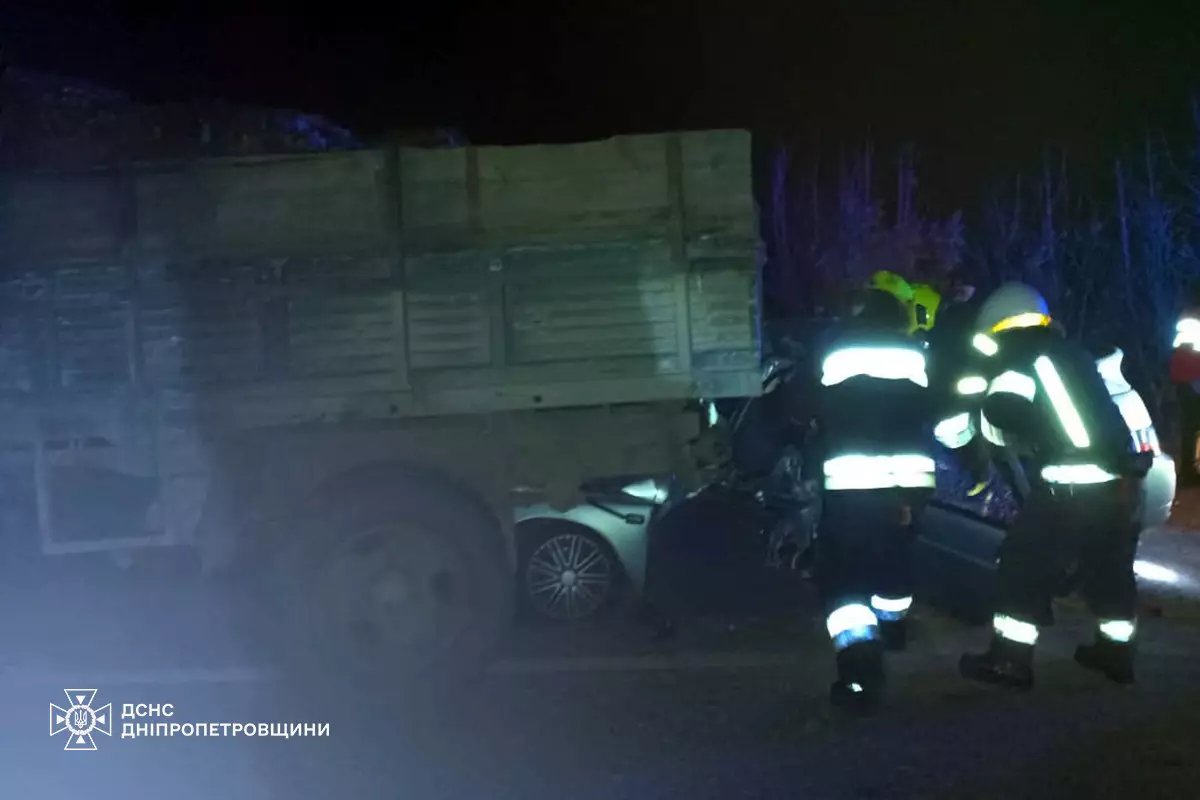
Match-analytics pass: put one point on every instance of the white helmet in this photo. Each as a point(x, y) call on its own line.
point(1013, 305)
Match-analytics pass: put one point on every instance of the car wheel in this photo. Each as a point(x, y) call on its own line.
point(566, 573)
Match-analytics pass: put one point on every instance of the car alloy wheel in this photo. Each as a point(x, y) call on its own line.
point(569, 576)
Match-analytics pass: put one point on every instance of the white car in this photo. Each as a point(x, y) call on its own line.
point(1158, 489)
point(571, 564)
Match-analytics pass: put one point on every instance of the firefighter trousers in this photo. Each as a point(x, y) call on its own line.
point(864, 547)
point(1082, 537)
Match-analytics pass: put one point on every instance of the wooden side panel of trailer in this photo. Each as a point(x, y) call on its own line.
point(468, 280)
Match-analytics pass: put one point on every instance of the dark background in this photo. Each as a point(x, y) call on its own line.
point(979, 87)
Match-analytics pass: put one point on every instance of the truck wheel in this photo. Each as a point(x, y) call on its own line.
point(395, 582)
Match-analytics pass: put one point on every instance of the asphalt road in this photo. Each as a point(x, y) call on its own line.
point(735, 707)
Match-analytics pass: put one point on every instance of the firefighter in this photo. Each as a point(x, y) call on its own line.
point(1185, 374)
point(877, 471)
point(1040, 402)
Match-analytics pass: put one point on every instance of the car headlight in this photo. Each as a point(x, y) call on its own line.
point(711, 415)
point(650, 490)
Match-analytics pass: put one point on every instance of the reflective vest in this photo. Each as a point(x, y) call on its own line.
point(1045, 397)
point(873, 414)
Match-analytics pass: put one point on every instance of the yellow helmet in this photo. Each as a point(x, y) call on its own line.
point(893, 284)
point(924, 306)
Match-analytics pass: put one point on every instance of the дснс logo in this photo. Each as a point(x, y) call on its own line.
point(79, 720)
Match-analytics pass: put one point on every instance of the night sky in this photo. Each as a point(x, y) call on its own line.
point(980, 87)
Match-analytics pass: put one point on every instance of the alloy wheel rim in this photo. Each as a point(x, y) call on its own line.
point(568, 577)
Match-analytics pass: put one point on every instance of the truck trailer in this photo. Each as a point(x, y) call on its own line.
point(334, 371)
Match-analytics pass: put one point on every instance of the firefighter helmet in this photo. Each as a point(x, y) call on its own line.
point(893, 284)
point(924, 306)
point(1013, 305)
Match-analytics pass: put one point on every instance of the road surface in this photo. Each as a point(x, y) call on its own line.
point(735, 707)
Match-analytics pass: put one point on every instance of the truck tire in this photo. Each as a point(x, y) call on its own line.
point(394, 581)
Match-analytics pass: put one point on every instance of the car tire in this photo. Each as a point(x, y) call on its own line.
point(566, 572)
point(393, 582)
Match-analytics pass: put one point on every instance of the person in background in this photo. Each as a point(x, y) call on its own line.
point(1185, 375)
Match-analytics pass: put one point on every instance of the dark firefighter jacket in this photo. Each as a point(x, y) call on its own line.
point(867, 393)
point(1042, 396)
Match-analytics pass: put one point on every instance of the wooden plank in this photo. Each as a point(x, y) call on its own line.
point(610, 189)
point(449, 330)
point(394, 204)
point(577, 369)
point(59, 217)
point(675, 193)
point(549, 343)
point(436, 270)
point(17, 352)
point(446, 311)
point(359, 269)
point(450, 239)
point(49, 383)
point(400, 356)
point(661, 344)
point(91, 321)
point(616, 259)
point(201, 320)
point(433, 192)
point(340, 334)
point(295, 205)
point(384, 261)
point(718, 191)
point(562, 394)
point(658, 337)
point(42, 498)
point(202, 345)
point(290, 404)
point(498, 332)
point(597, 299)
point(586, 290)
point(594, 313)
point(593, 184)
point(722, 310)
point(589, 302)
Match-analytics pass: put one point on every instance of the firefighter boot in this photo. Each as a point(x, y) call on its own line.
point(859, 687)
point(1006, 663)
point(894, 634)
point(1112, 659)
